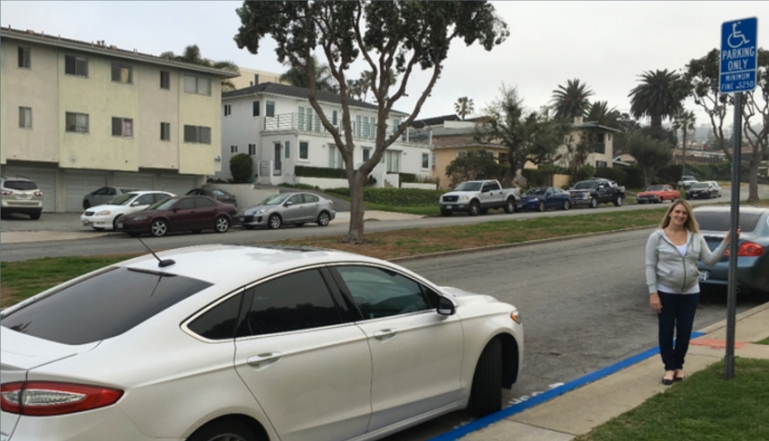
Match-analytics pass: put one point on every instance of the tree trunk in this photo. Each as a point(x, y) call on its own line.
point(355, 233)
point(683, 154)
point(755, 160)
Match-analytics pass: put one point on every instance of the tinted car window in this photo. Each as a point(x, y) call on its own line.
point(293, 302)
point(192, 192)
point(20, 185)
point(585, 185)
point(296, 199)
point(310, 198)
point(101, 191)
point(145, 199)
point(710, 221)
point(160, 197)
point(185, 203)
point(219, 322)
point(494, 186)
point(102, 306)
point(382, 293)
point(204, 203)
point(163, 204)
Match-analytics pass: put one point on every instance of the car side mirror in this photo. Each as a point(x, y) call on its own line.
point(289, 203)
point(446, 306)
point(135, 203)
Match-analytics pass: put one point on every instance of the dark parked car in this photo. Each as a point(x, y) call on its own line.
point(701, 190)
point(188, 213)
point(215, 193)
point(103, 195)
point(543, 198)
point(595, 191)
point(752, 249)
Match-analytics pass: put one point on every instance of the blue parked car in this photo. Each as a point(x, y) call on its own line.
point(544, 198)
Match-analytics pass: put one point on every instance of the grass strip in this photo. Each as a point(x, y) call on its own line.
point(705, 407)
point(764, 341)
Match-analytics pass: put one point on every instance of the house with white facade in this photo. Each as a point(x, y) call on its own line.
point(277, 127)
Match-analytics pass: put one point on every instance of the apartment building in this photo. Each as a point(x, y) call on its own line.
point(80, 115)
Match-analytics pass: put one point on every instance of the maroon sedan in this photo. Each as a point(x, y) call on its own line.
point(186, 213)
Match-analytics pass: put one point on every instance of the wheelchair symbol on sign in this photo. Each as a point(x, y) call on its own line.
point(737, 37)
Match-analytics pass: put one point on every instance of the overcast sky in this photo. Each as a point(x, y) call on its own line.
point(605, 44)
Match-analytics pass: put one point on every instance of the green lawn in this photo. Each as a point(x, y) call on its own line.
point(705, 407)
point(764, 341)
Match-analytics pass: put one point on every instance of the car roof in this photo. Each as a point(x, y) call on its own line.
point(15, 178)
point(148, 191)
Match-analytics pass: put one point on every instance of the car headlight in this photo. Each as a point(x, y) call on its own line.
point(465, 198)
point(262, 210)
point(516, 317)
point(103, 213)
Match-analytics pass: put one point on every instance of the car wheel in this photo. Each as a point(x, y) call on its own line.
point(593, 203)
point(446, 213)
point(486, 393)
point(510, 206)
point(115, 222)
point(618, 201)
point(159, 228)
point(274, 221)
point(323, 219)
point(566, 205)
point(34, 216)
point(222, 224)
point(224, 430)
point(541, 207)
point(475, 208)
point(86, 205)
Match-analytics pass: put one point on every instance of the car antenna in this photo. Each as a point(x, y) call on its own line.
point(163, 263)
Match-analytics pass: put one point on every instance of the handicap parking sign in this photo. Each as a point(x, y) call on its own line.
point(739, 55)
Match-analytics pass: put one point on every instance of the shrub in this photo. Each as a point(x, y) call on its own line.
point(585, 172)
point(241, 167)
point(395, 197)
point(635, 177)
point(299, 186)
point(320, 172)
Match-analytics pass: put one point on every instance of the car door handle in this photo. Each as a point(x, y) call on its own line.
point(263, 359)
point(385, 334)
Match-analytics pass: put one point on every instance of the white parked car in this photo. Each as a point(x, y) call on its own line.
point(250, 344)
point(102, 217)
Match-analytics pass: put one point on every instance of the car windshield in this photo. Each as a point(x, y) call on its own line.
point(165, 204)
point(688, 178)
point(535, 192)
point(20, 185)
point(655, 188)
point(721, 221)
point(123, 199)
point(700, 185)
point(468, 186)
point(586, 185)
point(275, 199)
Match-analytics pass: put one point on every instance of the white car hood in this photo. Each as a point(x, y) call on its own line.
point(460, 193)
point(463, 297)
point(113, 209)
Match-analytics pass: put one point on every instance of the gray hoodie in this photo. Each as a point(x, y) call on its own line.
point(665, 265)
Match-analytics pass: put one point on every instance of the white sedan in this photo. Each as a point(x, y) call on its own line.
point(102, 217)
point(236, 343)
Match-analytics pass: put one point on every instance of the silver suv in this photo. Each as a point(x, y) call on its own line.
point(21, 195)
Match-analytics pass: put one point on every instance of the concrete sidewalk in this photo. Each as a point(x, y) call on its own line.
point(578, 411)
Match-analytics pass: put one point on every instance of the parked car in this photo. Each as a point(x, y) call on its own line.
point(595, 191)
point(477, 197)
point(103, 195)
point(701, 190)
point(20, 195)
point(107, 216)
point(220, 195)
point(715, 188)
point(687, 181)
point(251, 344)
point(289, 208)
point(752, 248)
point(657, 194)
point(188, 213)
point(543, 198)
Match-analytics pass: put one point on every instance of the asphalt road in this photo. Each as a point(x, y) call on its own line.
point(584, 305)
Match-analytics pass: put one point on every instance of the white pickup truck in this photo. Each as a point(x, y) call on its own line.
point(477, 197)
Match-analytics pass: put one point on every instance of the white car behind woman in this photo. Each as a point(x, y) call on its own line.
point(105, 217)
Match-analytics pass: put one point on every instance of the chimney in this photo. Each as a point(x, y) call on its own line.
point(256, 78)
point(113, 47)
point(252, 83)
point(30, 32)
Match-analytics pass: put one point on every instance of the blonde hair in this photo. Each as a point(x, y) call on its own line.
point(690, 224)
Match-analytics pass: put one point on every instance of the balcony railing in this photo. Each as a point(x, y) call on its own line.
point(307, 124)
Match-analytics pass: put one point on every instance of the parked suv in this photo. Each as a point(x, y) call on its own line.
point(21, 195)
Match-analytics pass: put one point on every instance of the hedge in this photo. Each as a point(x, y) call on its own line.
point(615, 174)
point(395, 197)
point(320, 172)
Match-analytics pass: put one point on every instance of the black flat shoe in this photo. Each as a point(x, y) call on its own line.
point(677, 379)
point(667, 381)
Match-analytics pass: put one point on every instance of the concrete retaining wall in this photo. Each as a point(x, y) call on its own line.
point(322, 183)
point(419, 186)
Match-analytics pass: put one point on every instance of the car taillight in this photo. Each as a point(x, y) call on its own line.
point(38, 193)
point(46, 398)
point(748, 249)
point(6, 192)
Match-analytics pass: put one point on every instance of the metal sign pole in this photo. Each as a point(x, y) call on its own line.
point(731, 302)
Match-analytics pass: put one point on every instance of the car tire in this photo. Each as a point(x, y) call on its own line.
point(617, 201)
point(86, 205)
point(486, 392)
point(115, 222)
point(222, 224)
point(159, 228)
point(224, 430)
point(541, 207)
point(323, 219)
point(566, 205)
point(510, 206)
point(274, 221)
point(475, 208)
point(593, 203)
point(35, 216)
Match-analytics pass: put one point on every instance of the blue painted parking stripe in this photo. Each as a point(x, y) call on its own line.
point(488, 420)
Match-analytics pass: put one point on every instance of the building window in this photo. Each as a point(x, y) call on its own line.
point(77, 122)
point(252, 149)
point(365, 127)
point(122, 73)
point(165, 80)
point(165, 131)
point(304, 150)
point(24, 57)
point(197, 85)
point(461, 154)
point(334, 117)
point(288, 149)
point(123, 127)
point(393, 162)
point(77, 66)
point(357, 125)
point(270, 111)
point(366, 154)
point(255, 108)
point(227, 110)
point(25, 117)
point(233, 149)
point(601, 164)
point(396, 124)
point(309, 120)
point(300, 118)
point(425, 160)
point(197, 134)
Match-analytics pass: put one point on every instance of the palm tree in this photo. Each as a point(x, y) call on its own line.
point(355, 89)
point(599, 112)
point(684, 120)
point(296, 76)
point(571, 101)
point(192, 55)
point(658, 96)
point(464, 107)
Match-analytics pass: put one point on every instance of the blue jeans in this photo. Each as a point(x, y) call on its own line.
point(677, 314)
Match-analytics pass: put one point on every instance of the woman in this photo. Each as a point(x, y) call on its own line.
point(672, 253)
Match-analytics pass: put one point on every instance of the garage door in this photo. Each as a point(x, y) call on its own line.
point(45, 180)
point(139, 181)
point(178, 185)
point(79, 184)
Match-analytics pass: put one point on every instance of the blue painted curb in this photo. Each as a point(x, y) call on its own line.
point(488, 420)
